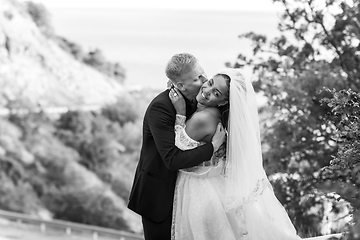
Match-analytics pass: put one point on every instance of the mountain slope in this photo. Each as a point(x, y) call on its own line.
point(35, 71)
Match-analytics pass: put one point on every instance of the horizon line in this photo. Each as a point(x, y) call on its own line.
point(166, 9)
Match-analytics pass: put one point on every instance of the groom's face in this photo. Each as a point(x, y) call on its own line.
point(192, 81)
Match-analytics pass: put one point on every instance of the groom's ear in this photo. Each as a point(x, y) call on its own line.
point(180, 86)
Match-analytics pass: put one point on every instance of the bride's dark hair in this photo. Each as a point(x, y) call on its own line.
point(224, 109)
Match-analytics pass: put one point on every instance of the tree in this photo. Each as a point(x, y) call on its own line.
point(93, 207)
point(125, 110)
point(318, 46)
point(343, 174)
point(96, 59)
point(70, 47)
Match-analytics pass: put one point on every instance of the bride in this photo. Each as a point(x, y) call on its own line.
point(228, 197)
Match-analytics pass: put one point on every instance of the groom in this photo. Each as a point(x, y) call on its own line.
point(153, 188)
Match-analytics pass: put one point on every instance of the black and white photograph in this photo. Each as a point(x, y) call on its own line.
point(179, 120)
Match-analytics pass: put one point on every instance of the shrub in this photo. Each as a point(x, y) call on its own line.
point(343, 174)
point(121, 112)
point(83, 206)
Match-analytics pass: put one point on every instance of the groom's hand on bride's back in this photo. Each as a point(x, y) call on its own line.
point(218, 137)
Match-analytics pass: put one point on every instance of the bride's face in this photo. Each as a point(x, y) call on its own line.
point(213, 92)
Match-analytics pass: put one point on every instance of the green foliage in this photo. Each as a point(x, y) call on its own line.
point(100, 152)
point(77, 122)
point(79, 167)
point(343, 174)
point(122, 112)
point(290, 186)
point(83, 206)
point(97, 60)
point(17, 196)
point(131, 134)
point(318, 47)
point(70, 47)
point(108, 143)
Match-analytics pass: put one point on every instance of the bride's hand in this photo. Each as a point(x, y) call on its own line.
point(178, 101)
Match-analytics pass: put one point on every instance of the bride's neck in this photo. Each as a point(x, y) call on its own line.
point(200, 107)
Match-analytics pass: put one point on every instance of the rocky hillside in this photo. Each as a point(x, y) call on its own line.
point(35, 71)
point(70, 168)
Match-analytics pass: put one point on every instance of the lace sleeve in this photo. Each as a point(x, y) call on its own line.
point(180, 120)
point(182, 140)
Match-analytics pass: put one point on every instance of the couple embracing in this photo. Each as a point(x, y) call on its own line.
point(200, 173)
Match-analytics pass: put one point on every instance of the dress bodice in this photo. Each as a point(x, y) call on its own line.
point(211, 168)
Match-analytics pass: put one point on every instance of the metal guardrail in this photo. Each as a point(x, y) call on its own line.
point(70, 227)
point(326, 237)
point(96, 231)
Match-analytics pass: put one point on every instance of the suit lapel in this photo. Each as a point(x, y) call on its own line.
point(190, 107)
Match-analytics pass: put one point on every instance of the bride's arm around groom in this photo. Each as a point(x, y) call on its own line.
point(155, 177)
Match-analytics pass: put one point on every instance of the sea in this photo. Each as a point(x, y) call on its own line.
point(142, 41)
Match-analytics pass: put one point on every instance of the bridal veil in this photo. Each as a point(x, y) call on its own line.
point(248, 192)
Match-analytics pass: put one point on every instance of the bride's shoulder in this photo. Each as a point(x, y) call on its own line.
point(206, 116)
point(202, 125)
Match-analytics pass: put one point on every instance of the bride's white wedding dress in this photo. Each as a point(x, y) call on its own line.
point(232, 198)
point(198, 210)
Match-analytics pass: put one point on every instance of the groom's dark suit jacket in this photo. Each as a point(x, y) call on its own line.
point(153, 188)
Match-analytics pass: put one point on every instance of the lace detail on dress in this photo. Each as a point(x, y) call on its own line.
point(182, 140)
point(180, 120)
point(240, 216)
point(259, 189)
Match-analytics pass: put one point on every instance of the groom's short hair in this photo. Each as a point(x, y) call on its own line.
point(180, 64)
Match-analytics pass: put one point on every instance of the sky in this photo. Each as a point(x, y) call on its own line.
point(144, 41)
point(234, 5)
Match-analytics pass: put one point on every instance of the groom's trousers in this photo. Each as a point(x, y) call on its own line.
point(157, 231)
